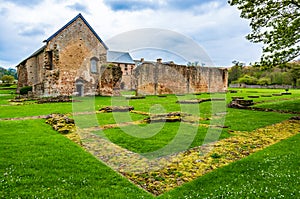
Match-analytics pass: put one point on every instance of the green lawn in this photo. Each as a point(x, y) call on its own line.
point(37, 162)
point(262, 92)
point(137, 138)
point(270, 173)
point(289, 105)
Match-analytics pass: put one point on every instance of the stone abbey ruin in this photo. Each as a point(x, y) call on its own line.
point(75, 61)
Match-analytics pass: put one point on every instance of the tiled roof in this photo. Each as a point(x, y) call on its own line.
point(86, 23)
point(119, 57)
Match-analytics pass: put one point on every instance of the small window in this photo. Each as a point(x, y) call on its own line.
point(94, 67)
point(49, 64)
point(126, 67)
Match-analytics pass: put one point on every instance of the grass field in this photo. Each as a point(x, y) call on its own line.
point(37, 162)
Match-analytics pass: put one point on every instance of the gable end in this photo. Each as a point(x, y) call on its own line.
point(86, 23)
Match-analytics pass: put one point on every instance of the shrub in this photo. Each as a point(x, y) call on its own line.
point(248, 80)
point(298, 82)
point(24, 90)
point(264, 81)
point(5, 85)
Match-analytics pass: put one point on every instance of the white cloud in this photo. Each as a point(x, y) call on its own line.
point(215, 26)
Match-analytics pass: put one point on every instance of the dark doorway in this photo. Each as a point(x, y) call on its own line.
point(79, 87)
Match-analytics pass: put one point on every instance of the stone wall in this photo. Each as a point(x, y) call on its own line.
point(158, 78)
point(70, 63)
point(127, 77)
point(22, 76)
point(30, 71)
point(110, 80)
point(72, 50)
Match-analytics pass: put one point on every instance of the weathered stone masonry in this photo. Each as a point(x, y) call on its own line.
point(75, 61)
point(71, 62)
point(159, 78)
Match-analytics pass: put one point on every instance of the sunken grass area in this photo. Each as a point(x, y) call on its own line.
point(270, 173)
point(167, 131)
point(41, 163)
point(37, 162)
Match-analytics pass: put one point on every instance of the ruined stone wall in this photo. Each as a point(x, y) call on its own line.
point(30, 71)
point(22, 76)
point(158, 78)
point(110, 80)
point(72, 50)
point(127, 77)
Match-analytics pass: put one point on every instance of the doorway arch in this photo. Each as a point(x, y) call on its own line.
point(79, 86)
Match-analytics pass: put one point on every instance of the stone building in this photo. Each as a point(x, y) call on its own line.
point(74, 60)
point(126, 63)
point(155, 78)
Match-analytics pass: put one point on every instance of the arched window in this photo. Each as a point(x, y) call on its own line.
point(94, 68)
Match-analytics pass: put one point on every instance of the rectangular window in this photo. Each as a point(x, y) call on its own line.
point(93, 66)
point(50, 60)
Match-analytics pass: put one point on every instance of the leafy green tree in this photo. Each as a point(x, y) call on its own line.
point(287, 79)
point(8, 79)
point(275, 23)
point(234, 73)
point(276, 78)
point(264, 81)
point(295, 72)
point(246, 79)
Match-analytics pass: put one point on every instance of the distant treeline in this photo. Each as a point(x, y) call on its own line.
point(10, 71)
point(288, 74)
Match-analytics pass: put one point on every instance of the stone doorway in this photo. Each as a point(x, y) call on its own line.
point(79, 87)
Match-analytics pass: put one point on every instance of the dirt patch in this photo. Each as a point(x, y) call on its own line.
point(237, 105)
point(198, 101)
point(109, 109)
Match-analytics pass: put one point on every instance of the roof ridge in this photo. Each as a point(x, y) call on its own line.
point(86, 23)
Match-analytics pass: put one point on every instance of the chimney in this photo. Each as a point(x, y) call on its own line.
point(159, 60)
point(142, 60)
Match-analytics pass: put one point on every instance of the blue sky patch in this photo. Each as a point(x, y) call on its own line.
point(130, 5)
point(79, 7)
point(27, 3)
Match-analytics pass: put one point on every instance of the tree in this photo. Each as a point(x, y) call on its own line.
point(8, 79)
point(234, 73)
point(295, 72)
point(264, 81)
point(275, 23)
point(247, 79)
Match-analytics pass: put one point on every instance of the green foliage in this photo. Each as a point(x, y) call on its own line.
point(287, 74)
point(295, 72)
point(24, 90)
point(264, 81)
point(8, 79)
point(275, 23)
point(10, 71)
point(246, 79)
point(234, 73)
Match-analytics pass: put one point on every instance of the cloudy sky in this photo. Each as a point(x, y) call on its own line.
point(212, 24)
